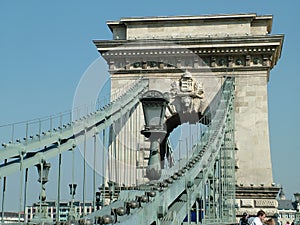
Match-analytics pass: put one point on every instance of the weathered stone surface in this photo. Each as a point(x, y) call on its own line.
point(266, 203)
point(247, 203)
point(188, 26)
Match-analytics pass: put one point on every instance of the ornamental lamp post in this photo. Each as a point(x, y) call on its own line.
point(297, 200)
point(42, 214)
point(43, 171)
point(98, 200)
point(101, 195)
point(111, 188)
point(154, 105)
point(72, 215)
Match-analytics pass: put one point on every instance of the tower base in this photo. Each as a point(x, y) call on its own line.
point(252, 199)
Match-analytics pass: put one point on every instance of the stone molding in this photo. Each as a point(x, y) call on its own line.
point(204, 51)
point(224, 52)
point(247, 203)
point(261, 203)
point(256, 192)
point(257, 203)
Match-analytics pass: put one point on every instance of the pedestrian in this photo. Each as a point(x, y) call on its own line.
point(270, 221)
point(260, 216)
point(287, 223)
point(244, 219)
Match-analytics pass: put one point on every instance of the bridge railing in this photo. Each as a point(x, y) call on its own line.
point(47, 143)
point(26, 131)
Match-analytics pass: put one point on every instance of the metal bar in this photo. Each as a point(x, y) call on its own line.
point(12, 133)
point(124, 150)
point(73, 176)
point(130, 149)
point(137, 152)
point(108, 152)
point(25, 194)
point(41, 181)
point(187, 149)
point(3, 193)
point(179, 152)
point(50, 125)
point(103, 167)
point(117, 145)
point(84, 174)
point(121, 143)
point(26, 133)
point(58, 188)
point(115, 151)
point(143, 154)
point(118, 153)
point(188, 206)
point(94, 173)
point(197, 212)
point(40, 129)
point(60, 121)
point(21, 188)
point(137, 144)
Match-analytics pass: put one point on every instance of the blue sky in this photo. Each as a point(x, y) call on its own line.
point(46, 47)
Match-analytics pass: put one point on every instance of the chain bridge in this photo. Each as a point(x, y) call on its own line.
point(209, 86)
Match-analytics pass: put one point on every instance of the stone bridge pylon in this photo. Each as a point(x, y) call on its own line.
point(189, 56)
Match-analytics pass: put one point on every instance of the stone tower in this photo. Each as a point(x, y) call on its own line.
point(209, 47)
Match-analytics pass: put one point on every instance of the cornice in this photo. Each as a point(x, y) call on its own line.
point(257, 192)
point(197, 60)
point(188, 42)
point(264, 48)
point(189, 52)
point(193, 70)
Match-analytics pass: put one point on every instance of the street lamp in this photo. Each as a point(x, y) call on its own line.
point(111, 188)
point(42, 215)
point(154, 107)
point(72, 189)
point(72, 215)
point(297, 200)
point(98, 199)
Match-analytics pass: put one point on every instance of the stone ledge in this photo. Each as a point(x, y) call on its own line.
point(256, 192)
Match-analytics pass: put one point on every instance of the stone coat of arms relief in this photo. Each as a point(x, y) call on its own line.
point(186, 95)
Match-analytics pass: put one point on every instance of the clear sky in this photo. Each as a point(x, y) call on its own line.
point(46, 46)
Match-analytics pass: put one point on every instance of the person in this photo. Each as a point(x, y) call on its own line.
point(260, 216)
point(244, 219)
point(287, 223)
point(270, 221)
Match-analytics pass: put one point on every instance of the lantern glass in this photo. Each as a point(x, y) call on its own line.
point(43, 174)
point(153, 114)
point(98, 196)
point(154, 106)
point(72, 189)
